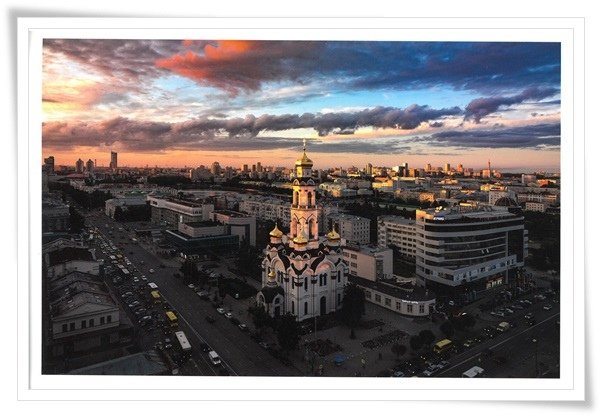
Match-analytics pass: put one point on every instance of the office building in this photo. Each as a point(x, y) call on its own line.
point(369, 262)
point(468, 248)
point(89, 166)
point(397, 232)
point(237, 223)
point(49, 164)
point(172, 211)
point(79, 166)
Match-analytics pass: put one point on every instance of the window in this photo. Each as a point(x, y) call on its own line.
point(109, 319)
point(102, 320)
point(378, 298)
point(64, 327)
point(72, 326)
point(83, 324)
point(367, 294)
point(421, 308)
point(293, 311)
point(305, 308)
point(306, 284)
point(398, 305)
point(409, 308)
point(339, 299)
point(388, 302)
point(91, 322)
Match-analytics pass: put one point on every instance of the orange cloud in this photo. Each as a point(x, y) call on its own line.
point(72, 95)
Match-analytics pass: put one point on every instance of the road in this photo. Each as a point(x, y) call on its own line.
point(239, 353)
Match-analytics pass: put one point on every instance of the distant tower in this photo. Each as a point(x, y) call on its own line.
point(89, 166)
point(490, 167)
point(113, 160)
point(79, 166)
point(49, 164)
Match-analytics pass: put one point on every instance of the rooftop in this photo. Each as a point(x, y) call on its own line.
point(399, 291)
point(69, 254)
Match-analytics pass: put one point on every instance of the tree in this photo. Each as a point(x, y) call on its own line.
point(416, 343)
point(189, 270)
point(353, 305)
point(288, 332)
point(118, 214)
point(468, 321)
point(398, 350)
point(447, 329)
point(260, 317)
point(427, 336)
point(76, 220)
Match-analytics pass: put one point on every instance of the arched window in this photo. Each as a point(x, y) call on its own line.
point(306, 284)
point(293, 311)
point(310, 199)
point(296, 197)
point(305, 308)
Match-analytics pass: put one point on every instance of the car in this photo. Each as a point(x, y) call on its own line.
point(126, 295)
point(221, 311)
point(531, 322)
point(509, 311)
point(151, 270)
point(427, 373)
point(517, 306)
point(136, 280)
point(144, 278)
point(210, 319)
point(203, 294)
point(191, 286)
point(398, 374)
point(443, 364)
point(528, 316)
point(228, 315)
point(469, 343)
point(243, 327)
point(141, 312)
point(547, 307)
point(134, 304)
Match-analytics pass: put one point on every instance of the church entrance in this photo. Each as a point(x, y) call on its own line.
point(277, 311)
point(323, 305)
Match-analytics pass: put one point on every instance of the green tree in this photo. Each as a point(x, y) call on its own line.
point(427, 336)
point(288, 332)
point(353, 305)
point(260, 317)
point(447, 329)
point(416, 343)
point(398, 350)
point(190, 273)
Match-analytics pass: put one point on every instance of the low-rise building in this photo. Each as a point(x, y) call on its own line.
point(124, 203)
point(173, 211)
point(201, 237)
point(369, 262)
point(404, 299)
point(237, 223)
point(351, 227)
point(535, 206)
point(68, 259)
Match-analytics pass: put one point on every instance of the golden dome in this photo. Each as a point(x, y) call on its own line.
point(276, 232)
point(271, 275)
point(304, 161)
point(333, 235)
point(300, 239)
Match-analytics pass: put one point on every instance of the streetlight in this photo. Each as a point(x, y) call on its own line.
point(536, 355)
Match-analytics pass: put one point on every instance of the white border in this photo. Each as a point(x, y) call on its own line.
point(33, 386)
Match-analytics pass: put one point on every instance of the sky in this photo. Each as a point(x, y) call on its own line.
point(176, 103)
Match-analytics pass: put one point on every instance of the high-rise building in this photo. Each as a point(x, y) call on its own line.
point(245, 168)
point(447, 167)
point(79, 166)
point(259, 167)
point(49, 164)
point(303, 275)
point(113, 160)
point(89, 166)
point(428, 167)
point(369, 169)
point(460, 168)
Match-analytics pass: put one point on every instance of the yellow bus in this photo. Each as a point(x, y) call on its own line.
point(172, 318)
point(155, 296)
point(442, 346)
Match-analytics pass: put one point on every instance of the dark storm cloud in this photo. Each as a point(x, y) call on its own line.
point(537, 136)
point(481, 107)
point(148, 135)
point(244, 66)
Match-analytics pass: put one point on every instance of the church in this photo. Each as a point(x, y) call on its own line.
point(303, 273)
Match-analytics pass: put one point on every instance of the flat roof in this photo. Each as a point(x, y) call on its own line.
point(401, 291)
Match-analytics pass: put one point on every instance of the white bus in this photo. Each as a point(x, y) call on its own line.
point(152, 286)
point(183, 341)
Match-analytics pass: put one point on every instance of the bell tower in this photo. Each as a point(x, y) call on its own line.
point(304, 214)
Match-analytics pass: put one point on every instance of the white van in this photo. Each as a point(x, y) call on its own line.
point(473, 372)
point(214, 357)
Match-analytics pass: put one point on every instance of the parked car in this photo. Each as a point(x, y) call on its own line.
point(151, 270)
point(528, 315)
point(547, 307)
point(228, 315)
point(243, 327)
point(221, 311)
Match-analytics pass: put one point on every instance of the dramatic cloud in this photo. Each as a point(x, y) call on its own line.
point(481, 107)
point(537, 136)
point(139, 135)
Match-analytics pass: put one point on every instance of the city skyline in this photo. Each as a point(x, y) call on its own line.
point(187, 103)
